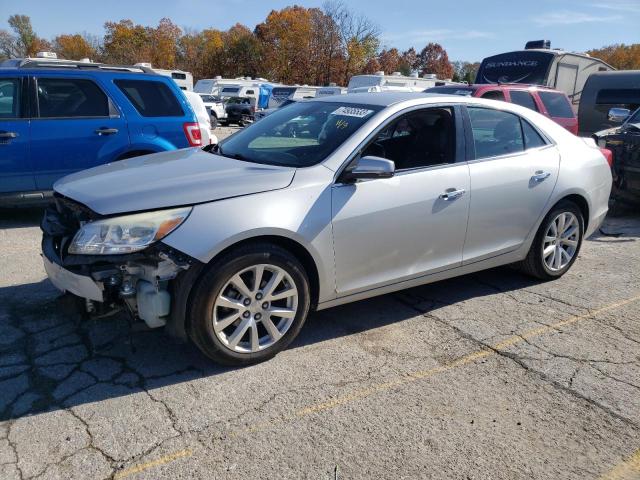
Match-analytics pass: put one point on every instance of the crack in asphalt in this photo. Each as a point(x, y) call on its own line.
point(518, 361)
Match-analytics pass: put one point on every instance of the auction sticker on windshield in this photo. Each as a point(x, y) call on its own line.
point(352, 112)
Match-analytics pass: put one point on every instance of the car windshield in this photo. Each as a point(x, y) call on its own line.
point(210, 98)
point(301, 135)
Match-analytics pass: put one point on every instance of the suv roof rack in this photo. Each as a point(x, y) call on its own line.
point(54, 63)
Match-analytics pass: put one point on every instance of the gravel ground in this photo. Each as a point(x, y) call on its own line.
point(488, 376)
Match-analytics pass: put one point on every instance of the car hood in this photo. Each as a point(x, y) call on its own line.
point(169, 179)
point(608, 131)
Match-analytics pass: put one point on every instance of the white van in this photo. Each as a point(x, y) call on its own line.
point(395, 81)
point(213, 86)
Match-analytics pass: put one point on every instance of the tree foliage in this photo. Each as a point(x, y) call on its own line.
point(434, 59)
point(620, 56)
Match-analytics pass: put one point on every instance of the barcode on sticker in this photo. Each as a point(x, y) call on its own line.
point(352, 112)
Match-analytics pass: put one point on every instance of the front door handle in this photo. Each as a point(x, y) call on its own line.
point(106, 131)
point(452, 194)
point(540, 176)
point(8, 135)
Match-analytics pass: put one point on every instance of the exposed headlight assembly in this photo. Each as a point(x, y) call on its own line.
point(126, 234)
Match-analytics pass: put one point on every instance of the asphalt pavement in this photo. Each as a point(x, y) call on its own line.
point(488, 376)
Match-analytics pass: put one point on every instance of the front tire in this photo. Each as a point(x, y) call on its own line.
point(249, 305)
point(556, 244)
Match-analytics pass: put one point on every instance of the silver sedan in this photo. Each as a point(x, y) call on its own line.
point(321, 203)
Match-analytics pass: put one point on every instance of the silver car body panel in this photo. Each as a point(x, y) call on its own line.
point(169, 179)
point(378, 235)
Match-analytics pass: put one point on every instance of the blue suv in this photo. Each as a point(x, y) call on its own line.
point(58, 117)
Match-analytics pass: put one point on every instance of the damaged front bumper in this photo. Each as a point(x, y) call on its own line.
point(142, 283)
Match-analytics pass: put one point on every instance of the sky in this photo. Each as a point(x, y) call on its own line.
point(469, 30)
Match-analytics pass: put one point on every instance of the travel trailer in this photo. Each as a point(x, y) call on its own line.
point(182, 78)
point(538, 64)
point(395, 81)
point(257, 88)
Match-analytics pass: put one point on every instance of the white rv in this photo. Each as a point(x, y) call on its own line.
point(395, 81)
point(538, 64)
point(281, 93)
point(330, 90)
point(182, 78)
point(212, 86)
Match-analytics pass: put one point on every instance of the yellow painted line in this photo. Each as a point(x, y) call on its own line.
point(470, 358)
point(154, 463)
point(627, 470)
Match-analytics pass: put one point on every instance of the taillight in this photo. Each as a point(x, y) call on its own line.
point(608, 154)
point(193, 134)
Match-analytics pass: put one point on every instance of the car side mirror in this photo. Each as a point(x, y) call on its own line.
point(619, 115)
point(369, 167)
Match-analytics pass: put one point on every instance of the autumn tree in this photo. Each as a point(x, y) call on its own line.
point(163, 41)
point(434, 59)
point(620, 56)
point(465, 71)
point(409, 61)
point(23, 42)
point(74, 47)
point(287, 39)
point(390, 60)
point(126, 43)
point(242, 52)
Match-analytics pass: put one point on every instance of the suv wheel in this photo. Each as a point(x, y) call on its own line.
point(214, 122)
point(249, 305)
point(557, 243)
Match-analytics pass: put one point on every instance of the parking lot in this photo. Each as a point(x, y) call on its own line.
point(491, 375)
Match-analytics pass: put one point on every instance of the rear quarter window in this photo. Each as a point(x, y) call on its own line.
point(557, 104)
point(151, 98)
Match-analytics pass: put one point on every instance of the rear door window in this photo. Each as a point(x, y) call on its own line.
point(556, 104)
point(524, 99)
point(71, 98)
point(494, 95)
point(9, 97)
point(151, 98)
point(495, 132)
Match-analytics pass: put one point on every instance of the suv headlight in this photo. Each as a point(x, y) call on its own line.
point(126, 234)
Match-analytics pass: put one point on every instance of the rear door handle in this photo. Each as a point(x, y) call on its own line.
point(452, 194)
point(8, 135)
point(106, 131)
point(540, 176)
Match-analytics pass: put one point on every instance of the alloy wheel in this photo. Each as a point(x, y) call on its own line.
point(561, 241)
point(255, 308)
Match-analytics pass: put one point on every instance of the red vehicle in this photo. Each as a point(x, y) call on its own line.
point(549, 102)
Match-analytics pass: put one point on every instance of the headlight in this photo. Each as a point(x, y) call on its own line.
point(127, 234)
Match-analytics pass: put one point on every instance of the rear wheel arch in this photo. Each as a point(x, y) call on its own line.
point(582, 204)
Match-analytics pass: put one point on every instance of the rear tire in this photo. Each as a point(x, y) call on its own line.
point(214, 122)
point(236, 321)
point(556, 244)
